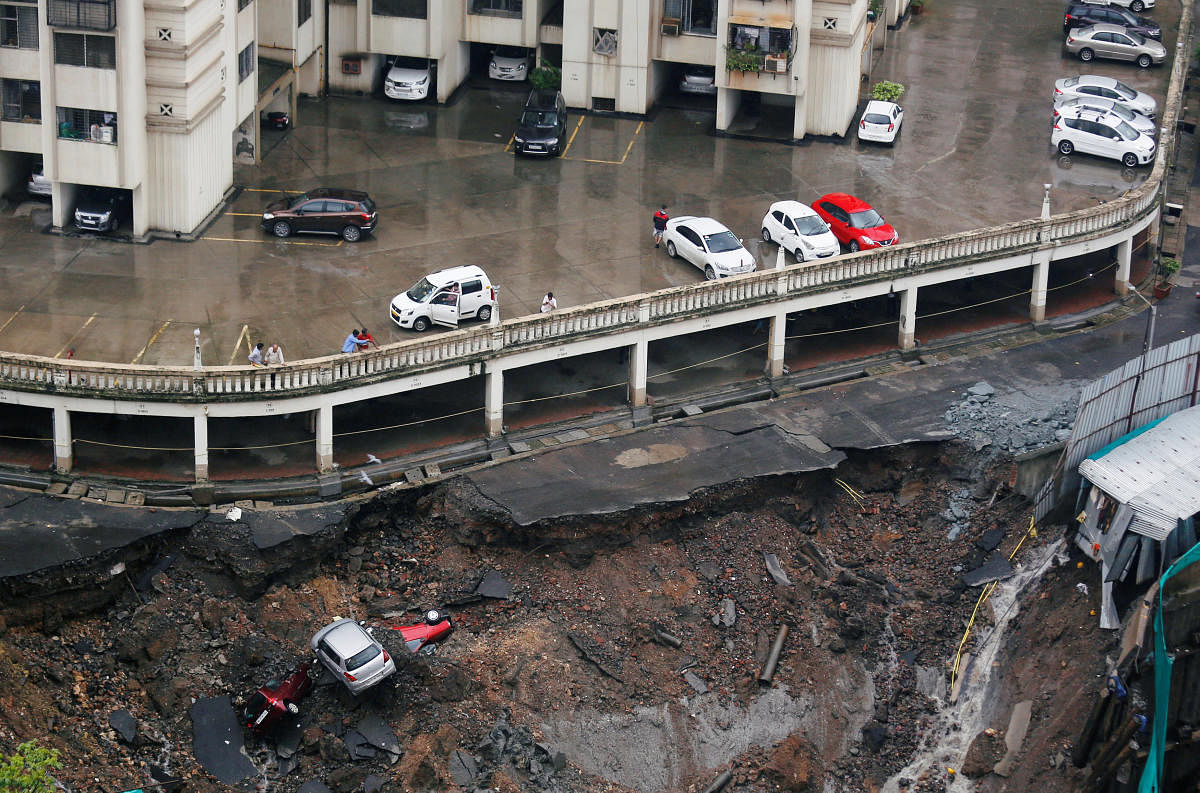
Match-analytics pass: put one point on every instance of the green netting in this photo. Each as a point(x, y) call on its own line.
point(1152, 774)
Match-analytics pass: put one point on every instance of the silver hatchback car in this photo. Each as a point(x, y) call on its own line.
point(1116, 43)
point(348, 650)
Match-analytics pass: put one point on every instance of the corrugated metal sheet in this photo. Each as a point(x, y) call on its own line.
point(1126, 398)
point(1156, 473)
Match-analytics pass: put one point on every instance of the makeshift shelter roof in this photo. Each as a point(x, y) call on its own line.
point(1155, 471)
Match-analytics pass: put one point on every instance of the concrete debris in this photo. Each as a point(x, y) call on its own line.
point(981, 389)
point(995, 568)
point(494, 585)
point(1082, 588)
point(463, 768)
point(373, 783)
point(1014, 737)
point(314, 786)
point(727, 616)
point(125, 724)
point(696, 683)
point(217, 744)
point(234, 513)
point(775, 570)
point(1017, 421)
point(378, 735)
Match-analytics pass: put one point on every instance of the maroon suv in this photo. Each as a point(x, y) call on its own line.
point(347, 213)
point(267, 706)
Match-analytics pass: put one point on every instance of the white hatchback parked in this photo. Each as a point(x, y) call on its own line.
point(707, 244)
point(799, 231)
point(1103, 134)
point(445, 297)
point(880, 122)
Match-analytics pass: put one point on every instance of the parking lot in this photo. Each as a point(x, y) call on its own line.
point(974, 151)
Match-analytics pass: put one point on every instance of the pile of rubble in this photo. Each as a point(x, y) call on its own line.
point(1015, 422)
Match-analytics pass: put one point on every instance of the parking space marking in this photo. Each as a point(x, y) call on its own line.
point(74, 335)
point(572, 138)
point(245, 214)
point(8, 321)
point(624, 157)
point(263, 190)
point(153, 339)
point(337, 244)
point(245, 334)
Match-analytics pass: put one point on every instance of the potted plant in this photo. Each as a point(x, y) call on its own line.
point(738, 60)
point(916, 6)
point(1167, 267)
point(874, 10)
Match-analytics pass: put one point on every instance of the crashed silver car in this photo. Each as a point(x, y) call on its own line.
point(350, 652)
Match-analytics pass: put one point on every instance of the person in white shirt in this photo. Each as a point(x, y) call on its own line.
point(549, 303)
point(273, 356)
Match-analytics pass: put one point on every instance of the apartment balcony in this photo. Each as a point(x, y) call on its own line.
point(82, 14)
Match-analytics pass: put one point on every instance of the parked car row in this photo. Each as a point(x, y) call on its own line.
point(1104, 117)
point(1104, 29)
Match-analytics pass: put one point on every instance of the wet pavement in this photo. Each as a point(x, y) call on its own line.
point(974, 152)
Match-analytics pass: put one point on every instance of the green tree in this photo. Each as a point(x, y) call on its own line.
point(887, 91)
point(26, 771)
point(546, 77)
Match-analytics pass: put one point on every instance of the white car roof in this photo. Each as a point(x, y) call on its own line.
point(879, 106)
point(407, 73)
point(452, 274)
point(700, 225)
point(793, 209)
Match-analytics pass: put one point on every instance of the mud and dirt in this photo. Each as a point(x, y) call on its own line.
point(626, 658)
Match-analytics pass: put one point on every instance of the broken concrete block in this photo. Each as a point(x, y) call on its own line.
point(1014, 737)
point(413, 475)
point(692, 410)
point(135, 498)
point(462, 768)
point(56, 488)
point(432, 469)
point(696, 683)
point(125, 724)
point(519, 447)
point(994, 569)
point(115, 496)
point(775, 570)
point(77, 489)
point(494, 585)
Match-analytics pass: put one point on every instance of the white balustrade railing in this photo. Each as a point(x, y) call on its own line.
point(212, 383)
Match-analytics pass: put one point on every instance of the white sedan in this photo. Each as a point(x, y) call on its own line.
point(407, 78)
point(880, 122)
point(799, 231)
point(1091, 85)
point(710, 246)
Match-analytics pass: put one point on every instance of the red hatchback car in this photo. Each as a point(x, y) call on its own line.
point(267, 706)
point(854, 222)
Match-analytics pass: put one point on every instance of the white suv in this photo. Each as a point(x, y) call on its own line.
point(1101, 133)
point(444, 298)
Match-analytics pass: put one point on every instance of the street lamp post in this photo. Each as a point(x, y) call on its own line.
point(196, 358)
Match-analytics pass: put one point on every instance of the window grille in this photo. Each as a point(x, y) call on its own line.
point(86, 14)
point(81, 49)
point(22, 100)
point(604, 41)
point(19, 26)
point(695, 16)
point(246, 62)
point(97, 126)
point(499, 8)
point(411, 9)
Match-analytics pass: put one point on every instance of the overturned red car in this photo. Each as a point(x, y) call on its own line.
point(434, 626)
point(278, 697)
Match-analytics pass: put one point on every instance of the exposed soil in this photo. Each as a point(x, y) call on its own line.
point(631, 644)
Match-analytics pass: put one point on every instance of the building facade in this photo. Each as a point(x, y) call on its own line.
point(156, 99)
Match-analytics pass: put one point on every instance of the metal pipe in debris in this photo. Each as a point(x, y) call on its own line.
point(720, 782)
point(667, 639)
point(768, 670)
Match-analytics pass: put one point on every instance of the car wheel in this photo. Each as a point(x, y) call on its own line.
point(292, 708)
point(281, 229)
point(421, 324)
point(1144, 61)
point(1137, 6)
point(671, 249)
point(352, 234)
point(1129, 159)
point(434, 616)
point(797, 255)
point(709, 273)
point(1086, 55)
point(1066, 147)
point(853, 246)
point(485, 313)
point(766, 235)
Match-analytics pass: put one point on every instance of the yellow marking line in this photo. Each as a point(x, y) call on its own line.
point(89, 321)
point(621, 161)
point(153, 339)
point(245, 214)
point(245, 333)
point(337, 244)
point(263, 190)
point(572, 138)
point(508, 146)
point(8, 321)
point(629, 148)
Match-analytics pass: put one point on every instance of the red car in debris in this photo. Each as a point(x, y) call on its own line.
point(268, 705)
point(434, 627)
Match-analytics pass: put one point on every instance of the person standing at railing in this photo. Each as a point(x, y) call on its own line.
point(353, 343)
point(256, 355)
point(549, 303)
point(273, 356)
point(365, 335)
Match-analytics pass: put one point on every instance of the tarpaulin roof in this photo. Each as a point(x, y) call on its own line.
point(1156, 472)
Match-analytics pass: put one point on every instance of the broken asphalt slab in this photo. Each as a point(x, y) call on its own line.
point(494, 585)
point(378, 735)
point(217, 741)
point(995, 568)
point(277, 527)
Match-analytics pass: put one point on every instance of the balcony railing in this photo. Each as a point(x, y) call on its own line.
point(82, 14)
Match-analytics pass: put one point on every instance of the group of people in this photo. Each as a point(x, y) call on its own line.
point(359, 340)
point(262, 355)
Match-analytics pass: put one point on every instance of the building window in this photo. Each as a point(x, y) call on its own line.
point(19, 26)
point(22, 100)
point(412, 9)
point(98, 126)
point(246, 62)
point(496, 8)
point(604, 41)
point(303, 11)
point(243, 3)
point(80, 49)
point(694, 16)
point(86, 14)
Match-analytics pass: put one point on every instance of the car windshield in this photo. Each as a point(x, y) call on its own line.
point(866, 219)
point(809, 225)
point(363, 656)
point(721, 242)
point(298, 200)
point(1121, 112)
point(1138, 38)
point(1127, 132)
point(421, 291)
point(537, 118)
point(1124, 90)
point(508, 51)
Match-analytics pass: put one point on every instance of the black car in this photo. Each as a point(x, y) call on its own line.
point(1082, 15)
point(348, 213)
point(542, 128)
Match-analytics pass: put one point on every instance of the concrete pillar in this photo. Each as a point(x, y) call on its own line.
point(1124, 262)
point(200, 445)
point(1037, 292)
point(800, 71)
point(325, 438)
point(908, 318)
point(493, 402)
point(639, 356)
point(775, 345)
point(63, 447)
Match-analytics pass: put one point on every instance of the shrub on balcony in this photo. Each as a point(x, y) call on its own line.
point(743, 60)
point(546, 77)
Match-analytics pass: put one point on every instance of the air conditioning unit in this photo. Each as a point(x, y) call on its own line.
point(777, 64)
point(670, 27)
